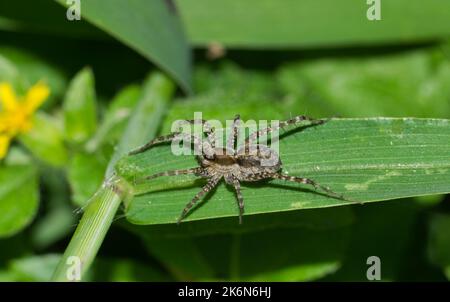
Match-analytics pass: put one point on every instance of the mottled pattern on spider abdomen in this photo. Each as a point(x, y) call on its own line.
point(233, 166)
point(253, 170)
point(241, 168)
point(251, 162)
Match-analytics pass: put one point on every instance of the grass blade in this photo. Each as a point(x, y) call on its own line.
point(365, 159)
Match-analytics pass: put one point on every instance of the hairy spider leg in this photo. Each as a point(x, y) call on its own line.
point(210, 144)
point(308, 181)
point(234, 133)
point(297, 119)
point(208, 129)
point(195, 171)
point(169, 138)
point(208, 187)
point(240, 199)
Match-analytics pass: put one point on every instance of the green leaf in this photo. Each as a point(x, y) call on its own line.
point(319, 219)
point(439, 242)
point(49, 20)
point(405, 84)
point(247, 92)
point(54, 226)
point(222, 249)
point(26, 69)
point(57, 217)
point(34, 268)
point(103, 205)
point(151, 28)
point(19, 198)
point(80, 116)
point(86, 172)
point(125, 270)
point(388, 238)
point(13, 247)
point(364, 159)
point(115, 118)
point(45, 140)
point(17, 156)
point(146, 117)
point(233, 257)
point(8, 71)
point(319, 23)
point(40, 268)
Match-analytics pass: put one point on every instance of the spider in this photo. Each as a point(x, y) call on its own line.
point(232, 164)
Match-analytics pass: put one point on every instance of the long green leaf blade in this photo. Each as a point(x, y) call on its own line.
point(365, 159)
point(312, 23)
point(151, 28)
point(80, 107)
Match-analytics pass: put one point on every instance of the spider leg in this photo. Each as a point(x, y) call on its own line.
point(282, 124)
point(208, 187)
point(196, 171)
point(169, 138)
point(207, 128)
point(308, 181)
point(234, 133)
point(209, 146)
point(240, 199)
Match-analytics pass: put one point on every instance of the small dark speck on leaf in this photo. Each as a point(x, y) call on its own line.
point(171, 5)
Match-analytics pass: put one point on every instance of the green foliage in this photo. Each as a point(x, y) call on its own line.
point(439, 242)
point(377, 159)
point(222, 249)
point(291, 233)
point(400, 84)
point(46, 140)
point(86, 173)
point(104, 203)
point(115, 118)
point(86, 170)
point(19, 198)
point(132, 22)
point(7, 69)
point(25, 69)
point(57, 219)
point(288, 24)
point(388, 238)
point(147, 114)
point(80, 115)
point(40, 269)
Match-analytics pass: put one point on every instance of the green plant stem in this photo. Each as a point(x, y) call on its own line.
point(101, 209)
point(91, 230)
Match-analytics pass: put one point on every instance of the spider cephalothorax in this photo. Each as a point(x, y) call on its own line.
point(235, 165)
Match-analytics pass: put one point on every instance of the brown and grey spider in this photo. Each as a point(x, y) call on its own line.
point(234, 166)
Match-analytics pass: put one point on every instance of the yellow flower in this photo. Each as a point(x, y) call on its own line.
point(16, 113)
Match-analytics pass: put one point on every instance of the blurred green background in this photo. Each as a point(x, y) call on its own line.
point(264, 59)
